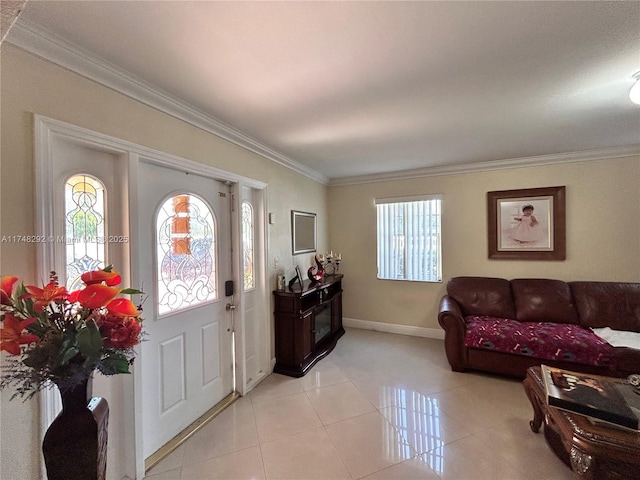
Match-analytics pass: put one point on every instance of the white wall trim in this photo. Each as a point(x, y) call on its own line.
point(54, 49)
point(536, 161)
point(157, 157)
point(49, 398)
point(394, 328)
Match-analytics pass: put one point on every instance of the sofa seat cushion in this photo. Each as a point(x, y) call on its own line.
point(544, 340)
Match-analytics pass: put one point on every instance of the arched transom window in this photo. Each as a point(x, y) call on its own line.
point(186, 253)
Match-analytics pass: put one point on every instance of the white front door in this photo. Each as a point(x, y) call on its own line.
point(184, 259)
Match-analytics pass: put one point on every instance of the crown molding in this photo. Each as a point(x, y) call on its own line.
point(536, 161)
point(35, 40)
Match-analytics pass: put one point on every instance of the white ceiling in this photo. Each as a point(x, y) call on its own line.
point(357, 88)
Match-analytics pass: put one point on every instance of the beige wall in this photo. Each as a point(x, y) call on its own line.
point(31, 85)
point(603, 234)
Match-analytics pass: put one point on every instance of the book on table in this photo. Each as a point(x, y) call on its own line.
point(608, 399)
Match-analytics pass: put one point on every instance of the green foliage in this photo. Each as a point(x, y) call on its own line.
point(89, 343)
point(114, 364)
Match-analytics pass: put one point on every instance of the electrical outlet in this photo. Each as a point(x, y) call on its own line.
point(276, 262)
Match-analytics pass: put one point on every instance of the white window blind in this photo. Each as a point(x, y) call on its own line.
point(409, 238)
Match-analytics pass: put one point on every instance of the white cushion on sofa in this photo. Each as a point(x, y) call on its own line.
point(618, 338)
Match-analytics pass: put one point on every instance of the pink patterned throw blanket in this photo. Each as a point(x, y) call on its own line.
point(544, 340)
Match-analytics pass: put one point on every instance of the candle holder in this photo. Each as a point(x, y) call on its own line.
point(331, 263)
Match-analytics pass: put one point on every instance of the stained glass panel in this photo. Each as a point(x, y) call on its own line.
point(247, 245)
point(186, 254)
point(84, 210)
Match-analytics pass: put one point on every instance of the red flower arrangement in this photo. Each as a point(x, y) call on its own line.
point(64, 336)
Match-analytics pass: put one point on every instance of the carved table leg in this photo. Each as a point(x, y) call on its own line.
point(536, 403)
point(581, 463)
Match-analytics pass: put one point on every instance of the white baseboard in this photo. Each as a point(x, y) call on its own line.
point(394, 328)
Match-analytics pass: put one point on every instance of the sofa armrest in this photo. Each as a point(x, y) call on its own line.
point(451, 320)
point(449, 312)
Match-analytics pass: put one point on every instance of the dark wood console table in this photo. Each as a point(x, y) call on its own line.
point(593, 450)
point(308, 324)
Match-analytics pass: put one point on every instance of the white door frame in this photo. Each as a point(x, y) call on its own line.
point(46, 129)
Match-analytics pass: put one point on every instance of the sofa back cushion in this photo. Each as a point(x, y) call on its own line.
point(608, 304)
point(482, 296)
point(543, 300)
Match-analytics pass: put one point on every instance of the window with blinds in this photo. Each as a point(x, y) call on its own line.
point(409, 238)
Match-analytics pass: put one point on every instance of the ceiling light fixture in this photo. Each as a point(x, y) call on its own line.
point(634, 93)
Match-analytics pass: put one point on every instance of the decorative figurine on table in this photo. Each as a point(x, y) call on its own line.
point(316, 272)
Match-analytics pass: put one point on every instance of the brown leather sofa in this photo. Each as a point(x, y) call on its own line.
point(537, 303)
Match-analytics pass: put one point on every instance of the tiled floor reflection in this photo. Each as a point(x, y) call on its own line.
point(379, 407)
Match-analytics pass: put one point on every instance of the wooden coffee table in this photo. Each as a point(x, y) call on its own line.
point(593, 450)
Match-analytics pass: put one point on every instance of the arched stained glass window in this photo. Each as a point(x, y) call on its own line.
point(247, 246)
point(186, 253)
point(84, 211)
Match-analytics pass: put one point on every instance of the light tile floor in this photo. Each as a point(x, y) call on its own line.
point(379, 407)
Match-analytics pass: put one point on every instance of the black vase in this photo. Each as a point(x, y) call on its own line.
point(75, 445)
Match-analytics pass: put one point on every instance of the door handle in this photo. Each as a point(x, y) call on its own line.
point(230, 307)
